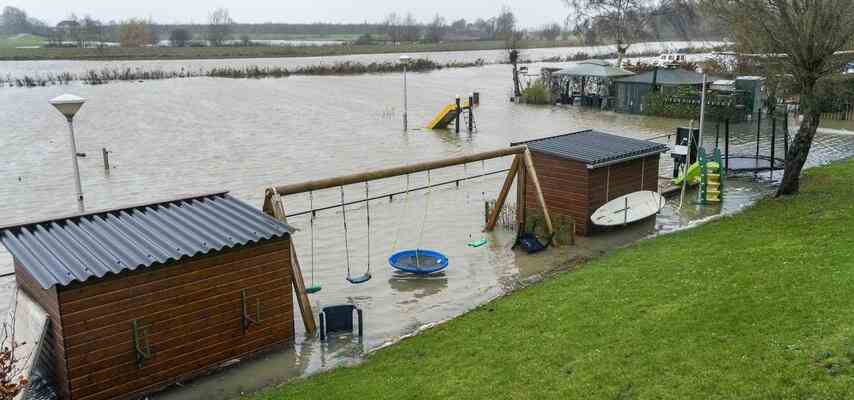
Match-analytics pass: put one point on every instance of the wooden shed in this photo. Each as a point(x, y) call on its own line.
point(142, 297)
point(581, 171)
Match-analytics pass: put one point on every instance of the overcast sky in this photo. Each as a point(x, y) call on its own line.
point(529, 13)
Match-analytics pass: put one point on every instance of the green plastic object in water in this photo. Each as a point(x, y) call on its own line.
point(477, 243)
point(693, 176)
point(313, 288)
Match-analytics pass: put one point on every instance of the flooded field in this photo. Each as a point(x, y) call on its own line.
point(17, 69)
point(174, 137)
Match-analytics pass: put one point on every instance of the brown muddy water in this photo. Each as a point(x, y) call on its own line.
point(176, 137)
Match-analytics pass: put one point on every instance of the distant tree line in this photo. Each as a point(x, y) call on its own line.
point(592, 22)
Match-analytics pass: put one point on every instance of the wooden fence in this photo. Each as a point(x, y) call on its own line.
point(843, 112)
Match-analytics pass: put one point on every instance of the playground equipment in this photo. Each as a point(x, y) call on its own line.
point(452, 113)
point(314, 287)
point(418, 261)
point(475, 243)
point(339, 318)
point(711, 178)
point(274, 203)
point(367, 275)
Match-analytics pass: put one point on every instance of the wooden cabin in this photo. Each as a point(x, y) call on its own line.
point(143, 297)
point(581, 171)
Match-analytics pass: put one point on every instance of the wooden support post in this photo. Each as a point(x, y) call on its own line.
point(529, 163)
point(502, 195)
point(106, 155)
point(521, 200)
point(273, 206)
point(471, 114)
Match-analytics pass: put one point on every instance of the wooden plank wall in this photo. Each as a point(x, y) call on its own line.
point(564, 184)
point(626, 178)
point(54, 354)
point(571, 190)
point(193, 311)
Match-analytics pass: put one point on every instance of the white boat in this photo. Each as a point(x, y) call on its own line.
point(629, 208)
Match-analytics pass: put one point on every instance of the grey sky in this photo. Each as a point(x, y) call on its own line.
point(530, 13)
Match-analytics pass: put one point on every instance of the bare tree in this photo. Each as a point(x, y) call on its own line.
point(411, 30)
point(550, 31)
point(135, 33)
point(14, 20)
point(804, 35)
point(219, 26)
point(391, 27)
point(436, 30)
point(505, 24)
point(621, 20)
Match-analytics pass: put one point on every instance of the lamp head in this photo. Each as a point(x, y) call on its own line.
point(68, 104)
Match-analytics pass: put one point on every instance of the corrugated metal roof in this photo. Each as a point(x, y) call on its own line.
point(595, 148)
point(668, 77)
point(594, 68)
point(79, 247)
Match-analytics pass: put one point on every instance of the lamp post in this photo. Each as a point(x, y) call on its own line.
point(404, 59)
point(68, 105)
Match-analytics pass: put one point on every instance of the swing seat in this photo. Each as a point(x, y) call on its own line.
point(418, 262)
point(359, 279)
point(314, 288)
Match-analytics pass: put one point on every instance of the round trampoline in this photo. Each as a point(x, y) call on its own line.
point(419, 262)
point(751, 163)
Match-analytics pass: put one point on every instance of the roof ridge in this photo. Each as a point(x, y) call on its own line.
point(110, 210)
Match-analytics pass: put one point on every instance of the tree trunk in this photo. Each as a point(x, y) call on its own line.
point(621, 53)
point(800, 148)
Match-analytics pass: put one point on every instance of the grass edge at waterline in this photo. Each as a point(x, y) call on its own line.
point(756, 305)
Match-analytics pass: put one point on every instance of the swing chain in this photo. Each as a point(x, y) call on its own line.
point(368, 213)
point(346, 244)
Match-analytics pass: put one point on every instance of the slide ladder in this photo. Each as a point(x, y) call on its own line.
point(711, 177)
point(446, 116)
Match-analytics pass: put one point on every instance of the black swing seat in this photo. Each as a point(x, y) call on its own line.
point(339, 318)
point(359, 279)
point(530, 242)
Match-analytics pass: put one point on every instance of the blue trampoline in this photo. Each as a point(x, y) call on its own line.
point(419, 262)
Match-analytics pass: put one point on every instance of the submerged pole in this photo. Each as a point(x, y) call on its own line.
point(106, 155)
point(459, 112)
point(758, 130)
point(471, 113)
point(726, 145)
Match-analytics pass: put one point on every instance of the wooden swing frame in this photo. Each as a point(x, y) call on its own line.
point(521, 169)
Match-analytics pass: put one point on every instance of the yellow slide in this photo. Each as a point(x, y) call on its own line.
point(446, 116)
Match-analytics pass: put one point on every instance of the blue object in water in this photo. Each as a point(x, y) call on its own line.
point(420, 262)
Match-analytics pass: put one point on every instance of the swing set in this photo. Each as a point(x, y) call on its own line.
point(414, 261)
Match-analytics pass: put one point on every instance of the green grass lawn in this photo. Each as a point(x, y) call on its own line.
point(13, 41)
point(755, 306)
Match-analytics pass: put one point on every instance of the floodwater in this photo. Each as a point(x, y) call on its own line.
point(175, 137)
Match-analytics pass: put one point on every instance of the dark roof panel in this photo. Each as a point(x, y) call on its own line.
point(79, 247)
point(668, 77)
point(595, 148)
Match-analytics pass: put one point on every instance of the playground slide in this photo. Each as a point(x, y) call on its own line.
point(446, 116)
point(693, 176)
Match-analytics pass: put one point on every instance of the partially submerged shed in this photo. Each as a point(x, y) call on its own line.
point(632, 90)
point(581, 171)
point(142, 297)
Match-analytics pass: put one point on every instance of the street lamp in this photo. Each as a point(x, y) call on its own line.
point(404, 59)
point(68, 105)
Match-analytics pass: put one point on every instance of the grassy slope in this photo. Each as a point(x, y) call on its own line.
point(759, 305)
point(12, 41)
point(254, 52)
